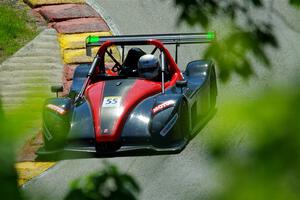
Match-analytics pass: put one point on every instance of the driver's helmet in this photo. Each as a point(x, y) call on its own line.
point(148, 66)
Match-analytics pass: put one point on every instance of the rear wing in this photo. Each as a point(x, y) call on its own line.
point(167, 39)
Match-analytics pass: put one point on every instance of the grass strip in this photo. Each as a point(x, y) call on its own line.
point(16, 29)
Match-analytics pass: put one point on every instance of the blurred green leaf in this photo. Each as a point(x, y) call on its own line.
point(14, 124)
point(257, 3)
point(108, 183)
point(295, 3)
point(266, 164)
point(248, 37)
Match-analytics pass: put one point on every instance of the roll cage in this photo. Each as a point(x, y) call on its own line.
point(157, 41)
point(173, 68)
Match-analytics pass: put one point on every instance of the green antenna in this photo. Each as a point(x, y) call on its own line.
point(211, 35)
point(92, 39)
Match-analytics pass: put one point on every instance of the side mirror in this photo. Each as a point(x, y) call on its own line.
point(56, 89)
point(181, 84)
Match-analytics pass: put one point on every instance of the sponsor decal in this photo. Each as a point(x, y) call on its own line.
point(163, 106)
point(111, 102)
point(56, 108)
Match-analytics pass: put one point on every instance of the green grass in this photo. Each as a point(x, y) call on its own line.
point(16, 29)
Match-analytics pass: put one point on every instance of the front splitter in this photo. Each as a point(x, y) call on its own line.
point(76, 152)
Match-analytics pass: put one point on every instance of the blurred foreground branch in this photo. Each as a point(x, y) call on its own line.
point(266, 165)
point(108, 183)
point(241, 34)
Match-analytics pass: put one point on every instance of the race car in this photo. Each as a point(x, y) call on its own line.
point(134, 103)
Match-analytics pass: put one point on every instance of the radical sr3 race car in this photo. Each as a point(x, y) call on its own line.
point(138, 102)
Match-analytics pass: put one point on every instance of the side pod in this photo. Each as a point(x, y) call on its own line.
point(167, 118)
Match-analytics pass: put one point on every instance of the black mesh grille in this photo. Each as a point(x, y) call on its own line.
point(107, 147)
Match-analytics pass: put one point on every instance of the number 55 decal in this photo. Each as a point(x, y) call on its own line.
point(111, 102)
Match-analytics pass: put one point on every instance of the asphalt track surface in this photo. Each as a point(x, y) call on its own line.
point(190, 174)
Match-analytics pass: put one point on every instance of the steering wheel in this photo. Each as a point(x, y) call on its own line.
point(116, 68)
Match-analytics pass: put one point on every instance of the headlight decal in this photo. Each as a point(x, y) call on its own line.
point(56, 108)
point(169, 125)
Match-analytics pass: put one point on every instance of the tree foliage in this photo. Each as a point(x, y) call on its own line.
point(108, 183)
point(265, 164)
point(15, 124)
point(243, 37)
point(295, 2)
point(255, 143)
